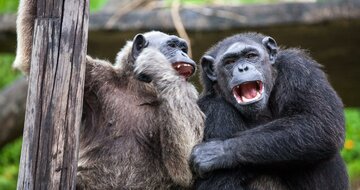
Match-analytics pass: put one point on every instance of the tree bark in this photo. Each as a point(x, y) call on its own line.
point(55, 96)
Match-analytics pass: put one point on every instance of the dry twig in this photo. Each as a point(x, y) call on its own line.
point(123, 11)
point(221, 14)
point(175, 15)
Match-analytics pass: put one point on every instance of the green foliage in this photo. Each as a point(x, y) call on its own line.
point(6, 72)
point(10, 154)
point(96, 5)
point(9, 165)
point(10, 6)
point(351, 151)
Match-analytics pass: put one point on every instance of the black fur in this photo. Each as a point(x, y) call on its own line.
point(290, 142)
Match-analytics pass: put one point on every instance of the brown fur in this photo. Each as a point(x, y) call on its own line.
point(134, 135)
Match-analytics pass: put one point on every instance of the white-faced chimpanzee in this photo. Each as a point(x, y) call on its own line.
point(272, 119)
point(140, 116)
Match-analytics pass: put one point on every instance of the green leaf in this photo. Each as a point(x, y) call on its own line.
point(6, 72)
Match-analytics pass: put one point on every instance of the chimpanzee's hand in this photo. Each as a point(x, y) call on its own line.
point(210, 156)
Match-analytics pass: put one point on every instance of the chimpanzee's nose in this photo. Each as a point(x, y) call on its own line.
point(243, 68)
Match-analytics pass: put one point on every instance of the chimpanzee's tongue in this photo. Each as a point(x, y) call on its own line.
point(248, 90)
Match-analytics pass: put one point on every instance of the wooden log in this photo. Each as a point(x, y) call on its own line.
point(55, 96)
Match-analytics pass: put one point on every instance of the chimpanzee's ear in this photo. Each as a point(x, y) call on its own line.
point(271, 47)
point(207, 64)
point(139, 43)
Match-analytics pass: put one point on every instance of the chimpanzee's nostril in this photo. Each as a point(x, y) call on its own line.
point(183, 54)
point(243, 68)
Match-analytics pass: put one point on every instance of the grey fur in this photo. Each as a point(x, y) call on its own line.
point(172, 125)
point(24, 29)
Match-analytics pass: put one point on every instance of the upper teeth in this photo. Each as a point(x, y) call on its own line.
point(182, 65)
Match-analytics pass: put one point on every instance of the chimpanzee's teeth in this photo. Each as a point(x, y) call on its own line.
point(182, 65)
point(242, 99)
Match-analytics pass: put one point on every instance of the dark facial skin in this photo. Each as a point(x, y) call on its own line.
point(244, 62)
point(172, 47)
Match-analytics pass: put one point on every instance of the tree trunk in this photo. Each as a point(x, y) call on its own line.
point(55, 96)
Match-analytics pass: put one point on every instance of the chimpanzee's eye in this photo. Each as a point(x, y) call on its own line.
point(251, 55)
point(229, 61)
point(172, 44)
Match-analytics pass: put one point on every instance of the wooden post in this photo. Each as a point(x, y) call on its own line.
point(55, 95)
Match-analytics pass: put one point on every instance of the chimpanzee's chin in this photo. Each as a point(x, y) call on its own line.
point(253, 108)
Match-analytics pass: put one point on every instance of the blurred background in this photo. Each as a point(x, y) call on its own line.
point(328, 29)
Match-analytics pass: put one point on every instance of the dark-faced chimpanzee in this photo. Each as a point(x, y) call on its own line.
point(140, 116)
point(272, 119)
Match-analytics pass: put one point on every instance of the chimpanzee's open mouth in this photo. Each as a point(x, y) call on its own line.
point(184, 69)
point(248, 92)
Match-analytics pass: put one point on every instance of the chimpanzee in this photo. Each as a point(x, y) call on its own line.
point(272, 119)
